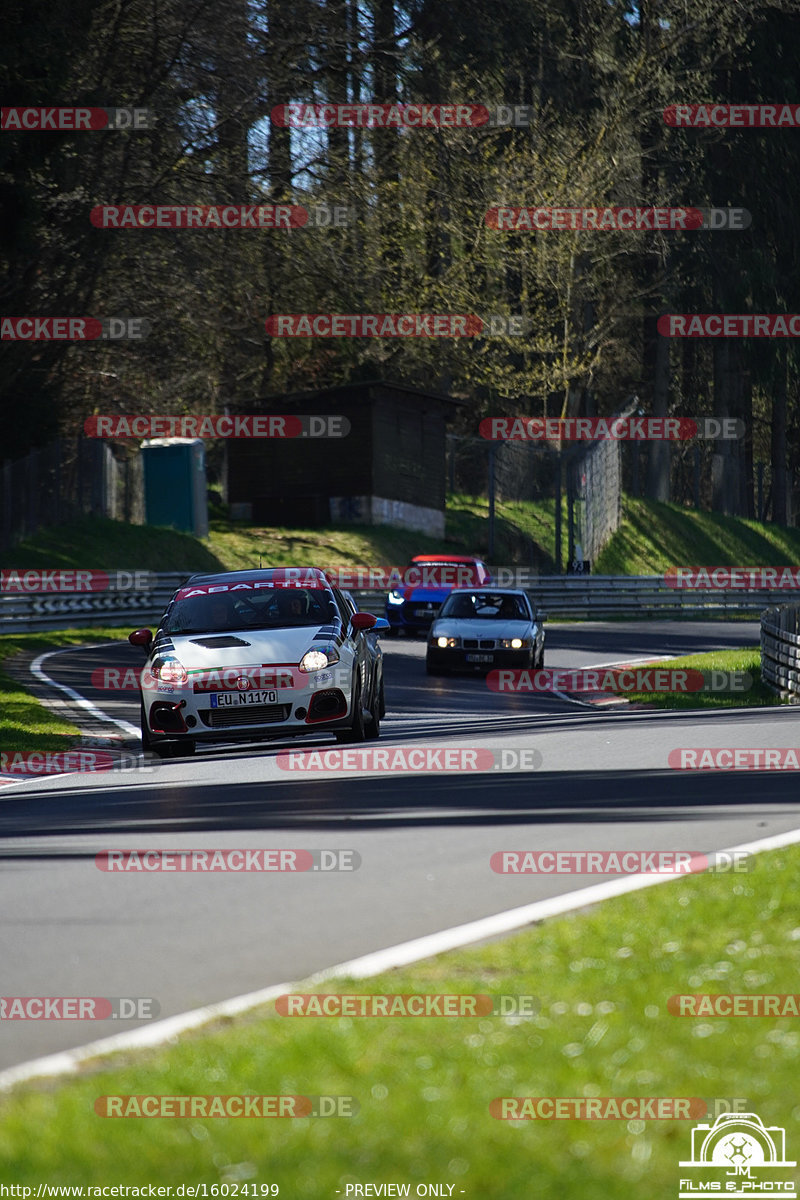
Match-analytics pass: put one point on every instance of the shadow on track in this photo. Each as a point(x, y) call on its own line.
point(537, 798)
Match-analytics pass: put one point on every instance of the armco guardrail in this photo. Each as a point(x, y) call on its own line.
point(589, 597)
point(780, 649)
point(36, 612)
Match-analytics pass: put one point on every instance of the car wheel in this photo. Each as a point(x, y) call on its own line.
point(382, 701)
point(146, 742)
point(540, 662)
point(357, 731)
point(174, 749)
point(164, 749)
point(373, 725)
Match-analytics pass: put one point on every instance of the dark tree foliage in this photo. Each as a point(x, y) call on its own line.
point(596, 75)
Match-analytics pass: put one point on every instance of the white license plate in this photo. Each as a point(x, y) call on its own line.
point(235, 699)
point(480, 658)
point(424, 612)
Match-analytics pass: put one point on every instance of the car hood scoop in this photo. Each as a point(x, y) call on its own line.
point(219, 642)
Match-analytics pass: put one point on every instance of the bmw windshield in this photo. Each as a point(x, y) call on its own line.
point(484, 606)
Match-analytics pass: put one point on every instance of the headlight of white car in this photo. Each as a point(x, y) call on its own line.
point(317, 660)
point(395, 598)
point(515, 643)
point(446, 643)
point(170, 670)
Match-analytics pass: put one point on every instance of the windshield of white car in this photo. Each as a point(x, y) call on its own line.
point(225, 612)
point(489, 606)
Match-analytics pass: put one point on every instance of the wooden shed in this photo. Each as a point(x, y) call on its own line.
point(388, 470)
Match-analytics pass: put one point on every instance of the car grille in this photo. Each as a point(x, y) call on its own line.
point(474, 644)
point(253, 714)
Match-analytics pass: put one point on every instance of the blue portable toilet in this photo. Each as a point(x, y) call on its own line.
point(175, 492)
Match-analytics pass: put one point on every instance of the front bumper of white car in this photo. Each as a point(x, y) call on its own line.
point(286, 703)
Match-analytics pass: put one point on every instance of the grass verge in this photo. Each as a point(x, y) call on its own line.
point(25, 723)
point(748, 660)
point(602, 979)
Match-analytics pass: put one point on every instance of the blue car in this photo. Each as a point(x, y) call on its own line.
point(427, 582)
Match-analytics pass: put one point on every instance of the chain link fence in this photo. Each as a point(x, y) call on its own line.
point(588, 476)
point(69, 478)
point(596, 499)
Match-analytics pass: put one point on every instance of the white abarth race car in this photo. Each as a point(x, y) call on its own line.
point(251, 655)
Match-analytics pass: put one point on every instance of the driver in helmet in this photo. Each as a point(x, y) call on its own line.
point(293, 604)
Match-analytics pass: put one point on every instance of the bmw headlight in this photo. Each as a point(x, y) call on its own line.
point(170, 670)
point(515, 643)
point(317, 660)
point(446, 643)
point(395, 598)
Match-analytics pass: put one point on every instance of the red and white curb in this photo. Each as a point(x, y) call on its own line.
point(612, 699)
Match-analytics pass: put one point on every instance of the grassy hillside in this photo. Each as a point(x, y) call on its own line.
point(655, 536)
point(652, 538)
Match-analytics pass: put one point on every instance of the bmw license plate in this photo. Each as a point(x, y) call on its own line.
point(480, 658)
point(235, 699)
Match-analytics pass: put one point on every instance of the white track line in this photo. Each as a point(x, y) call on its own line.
point(76, 697)
point(78, 700)
point(367, 965)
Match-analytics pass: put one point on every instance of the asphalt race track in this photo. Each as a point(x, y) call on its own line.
point(188, 939)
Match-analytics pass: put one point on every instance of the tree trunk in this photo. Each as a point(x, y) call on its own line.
point(780, 492)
